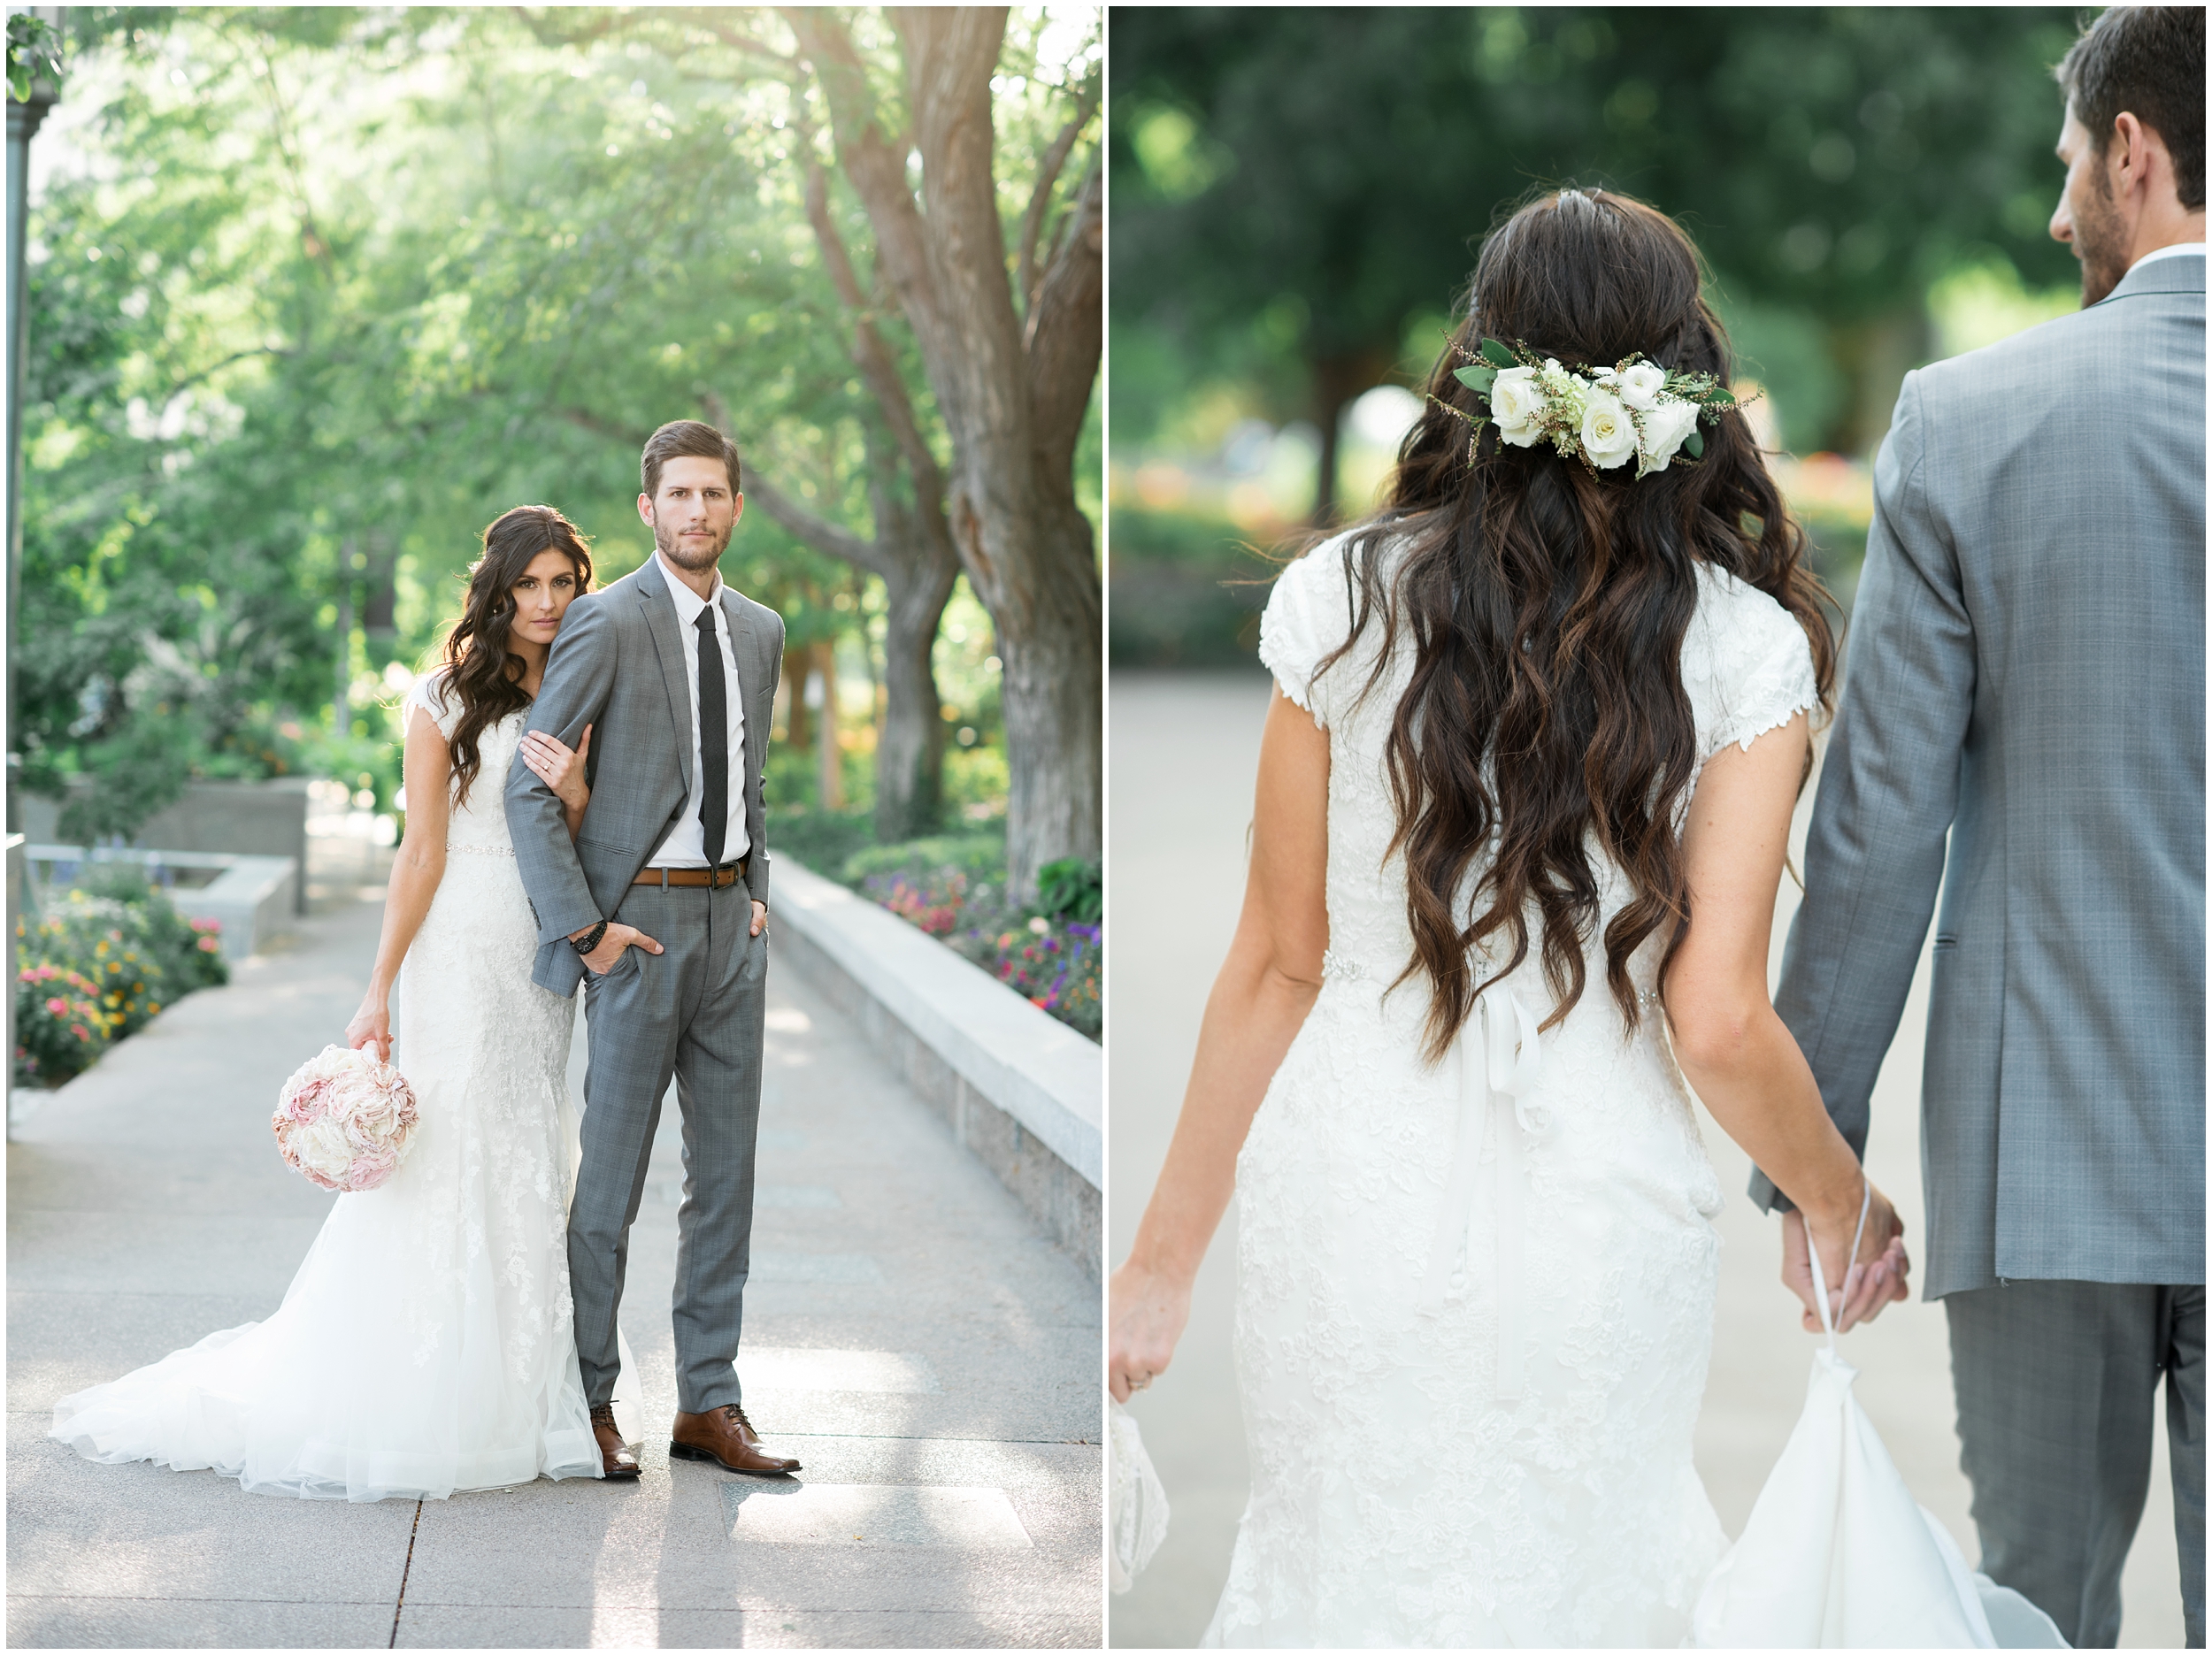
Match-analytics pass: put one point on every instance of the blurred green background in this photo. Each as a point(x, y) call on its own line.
point(1298, 195)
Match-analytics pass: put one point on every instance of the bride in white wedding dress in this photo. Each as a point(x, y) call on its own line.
point(425, 1346)
point(1543, 706)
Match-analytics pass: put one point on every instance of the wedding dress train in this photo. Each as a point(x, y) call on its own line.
point(425, 1344)
point(1475, 1302)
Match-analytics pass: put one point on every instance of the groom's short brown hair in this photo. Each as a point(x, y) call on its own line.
point(679, 437)
point(2148, 61)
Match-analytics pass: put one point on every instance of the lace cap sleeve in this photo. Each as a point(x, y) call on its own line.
point(1308, 615)
point(429, 695)
point(1762, 669)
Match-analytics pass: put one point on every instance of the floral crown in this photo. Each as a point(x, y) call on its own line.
point(1604, 417)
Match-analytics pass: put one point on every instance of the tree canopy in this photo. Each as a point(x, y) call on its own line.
point(332, 287)
point(1293, 187)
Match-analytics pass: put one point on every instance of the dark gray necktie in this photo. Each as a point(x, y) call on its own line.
point(714, 741)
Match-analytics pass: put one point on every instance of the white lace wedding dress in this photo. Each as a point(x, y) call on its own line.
point(425, 1344)
point(1414, 1480)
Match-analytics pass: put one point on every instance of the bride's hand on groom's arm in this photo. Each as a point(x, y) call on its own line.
point(1146, 1311)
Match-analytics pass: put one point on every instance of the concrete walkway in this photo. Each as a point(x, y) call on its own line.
point(1186, 749)
point(909, 1335)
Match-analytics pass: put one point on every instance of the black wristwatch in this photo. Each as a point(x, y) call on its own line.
point(589, 939)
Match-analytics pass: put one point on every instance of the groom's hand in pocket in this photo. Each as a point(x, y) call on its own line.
point(600, 960)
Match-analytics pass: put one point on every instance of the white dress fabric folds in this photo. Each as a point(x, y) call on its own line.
point(425, 1344)
point(1838, 1555)
point(1475, 1301)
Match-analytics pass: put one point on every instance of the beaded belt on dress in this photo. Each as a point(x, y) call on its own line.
point(482, 850)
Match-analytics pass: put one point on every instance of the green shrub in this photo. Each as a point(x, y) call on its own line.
point(1071, 888)
point(59, 1027)
point(978, 856)
point(112, 952)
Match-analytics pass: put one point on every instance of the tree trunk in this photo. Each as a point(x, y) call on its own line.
point(1049, 659)
point(910, 754)
point(1013, 391)
point(1339, 381)
point(829, 754)
point(341, 704)
point(795, 728)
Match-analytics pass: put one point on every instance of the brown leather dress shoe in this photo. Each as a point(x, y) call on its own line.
point(725, 1435)
point(616, 1457)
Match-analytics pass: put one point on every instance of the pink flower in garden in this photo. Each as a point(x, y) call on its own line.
point(79, 1030)
point(58, 1006)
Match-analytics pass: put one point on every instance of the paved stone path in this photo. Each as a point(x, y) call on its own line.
point(1185, 751)
point(909, 1335)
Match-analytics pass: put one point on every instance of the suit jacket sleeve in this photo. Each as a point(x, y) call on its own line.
point(578, 678)
point(755, 793)
point(1888, 789)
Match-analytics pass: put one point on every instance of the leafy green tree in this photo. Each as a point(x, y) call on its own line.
point(1294, 186)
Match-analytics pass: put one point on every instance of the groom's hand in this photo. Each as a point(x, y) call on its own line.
point(600, 960)
point(760, 917)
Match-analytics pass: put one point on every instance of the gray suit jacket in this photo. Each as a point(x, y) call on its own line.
point(617, 665)
point(2025, 673)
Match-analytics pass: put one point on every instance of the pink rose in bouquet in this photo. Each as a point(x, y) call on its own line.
point(344, 1120)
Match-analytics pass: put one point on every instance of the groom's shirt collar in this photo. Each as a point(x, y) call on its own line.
point(688, 603)
point(2172, 251)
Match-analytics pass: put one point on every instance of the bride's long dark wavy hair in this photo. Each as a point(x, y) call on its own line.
point(1546, 607)
point(485, 674)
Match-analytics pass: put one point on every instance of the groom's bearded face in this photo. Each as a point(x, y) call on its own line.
point(693, 512)
point(2087, 217)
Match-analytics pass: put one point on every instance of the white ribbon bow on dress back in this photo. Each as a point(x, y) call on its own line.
point(1499, 1062)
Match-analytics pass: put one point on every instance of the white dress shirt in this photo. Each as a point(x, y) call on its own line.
point(685, 843)
point(2174, 250)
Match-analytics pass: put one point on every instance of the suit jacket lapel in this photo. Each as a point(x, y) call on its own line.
point(668, 644)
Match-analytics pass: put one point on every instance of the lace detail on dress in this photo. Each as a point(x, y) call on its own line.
point(1573, 1514)
point(427, 1342)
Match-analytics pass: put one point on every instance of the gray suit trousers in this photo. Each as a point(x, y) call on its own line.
point(694, 1011)
point(2055, 1382)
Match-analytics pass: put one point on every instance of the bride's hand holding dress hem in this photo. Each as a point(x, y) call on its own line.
point(1731, 1046)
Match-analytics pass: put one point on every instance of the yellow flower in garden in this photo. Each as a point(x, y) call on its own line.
point(153, 1007)
point(114, 965)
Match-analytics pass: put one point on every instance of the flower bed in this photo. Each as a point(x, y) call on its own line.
point(98, 968)
point(954, 889)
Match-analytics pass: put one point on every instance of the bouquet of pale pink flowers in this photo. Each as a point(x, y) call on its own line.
point(344, 1120)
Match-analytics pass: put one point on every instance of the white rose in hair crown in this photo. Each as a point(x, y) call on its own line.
point(1604, 417)
point(344, 1120)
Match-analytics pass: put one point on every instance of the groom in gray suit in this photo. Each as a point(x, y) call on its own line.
point(2025, 678)
point(662, 899)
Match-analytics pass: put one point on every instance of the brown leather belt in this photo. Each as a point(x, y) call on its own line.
point(716, 879)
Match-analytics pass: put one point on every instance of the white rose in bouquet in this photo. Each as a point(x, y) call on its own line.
point(1517, 403)
point(1607, 436)
point(1639, 386)
point(1665, 429)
